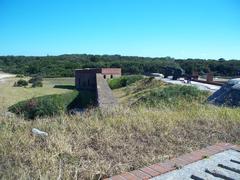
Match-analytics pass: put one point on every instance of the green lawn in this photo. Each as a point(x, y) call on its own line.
point(10, 95)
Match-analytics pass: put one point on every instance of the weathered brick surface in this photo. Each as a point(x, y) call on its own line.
point(225, 145)
point(140, 174)
point(159, 168)
point(114, 71)
point(179, 162)
point(169, 165)
point(150, 171)
point(93, 80)
point(129, 176)
point(191, 157)
point(117, 178)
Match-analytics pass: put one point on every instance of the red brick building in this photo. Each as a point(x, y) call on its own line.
point(85, 79)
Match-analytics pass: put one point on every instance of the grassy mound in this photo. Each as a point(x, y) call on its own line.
point(174, 94)
point(143, 86)
point(151, 92)
point(51, 105)
point(123, 81)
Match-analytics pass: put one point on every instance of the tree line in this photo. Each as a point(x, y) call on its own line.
point(64, 65)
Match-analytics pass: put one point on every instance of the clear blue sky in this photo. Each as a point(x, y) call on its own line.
point(155, 28)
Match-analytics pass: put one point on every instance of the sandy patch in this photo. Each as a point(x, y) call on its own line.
point(4, 76)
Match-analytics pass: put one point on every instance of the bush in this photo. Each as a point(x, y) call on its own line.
point(173, 94)
point(21, 83)
point(51, 105)
point(123, 81)
point(20, 76)
point(36, 81)
point(43, 106)
point(37, 84)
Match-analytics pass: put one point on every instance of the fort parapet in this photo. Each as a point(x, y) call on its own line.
point(85, 79)
point(105, 98)
point(94, 79)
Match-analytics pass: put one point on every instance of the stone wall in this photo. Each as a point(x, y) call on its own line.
point(105, 98)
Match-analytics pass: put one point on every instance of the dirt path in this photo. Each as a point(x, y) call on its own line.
point(4, 76)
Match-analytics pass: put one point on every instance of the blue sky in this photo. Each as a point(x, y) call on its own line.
point(155, 28)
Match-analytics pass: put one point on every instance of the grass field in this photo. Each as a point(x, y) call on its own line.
point(96, 145)
point(10, 95)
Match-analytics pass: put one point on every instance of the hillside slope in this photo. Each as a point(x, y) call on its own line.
point(94, 145)
point(155, 92)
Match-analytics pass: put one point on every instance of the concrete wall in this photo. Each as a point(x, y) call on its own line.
point(105, 98)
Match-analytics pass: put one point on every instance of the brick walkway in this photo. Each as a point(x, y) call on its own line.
point(159, 169)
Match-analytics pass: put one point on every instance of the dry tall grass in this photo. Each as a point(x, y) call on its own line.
point(94, 145)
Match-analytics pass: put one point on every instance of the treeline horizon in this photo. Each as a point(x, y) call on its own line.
point(64, 65)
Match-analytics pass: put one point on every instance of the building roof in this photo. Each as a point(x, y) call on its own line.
point(100, 70)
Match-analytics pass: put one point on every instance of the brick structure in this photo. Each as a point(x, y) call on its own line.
point(209, 77)
point(158, 169)
point(195, 75)
point(85, 79)
point(94, 80)
point(109, 73)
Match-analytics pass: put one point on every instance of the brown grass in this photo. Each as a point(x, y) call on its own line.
point(94, 145)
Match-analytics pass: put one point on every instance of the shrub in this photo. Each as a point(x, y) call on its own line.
point(35, 79)
point(37, 84)
point(173, 94)
point(21, 83)
point(51, 105)
point(123, 81)
point(43, 106)
point(20, 76)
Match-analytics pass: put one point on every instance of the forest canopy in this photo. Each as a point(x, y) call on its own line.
point(64, 65)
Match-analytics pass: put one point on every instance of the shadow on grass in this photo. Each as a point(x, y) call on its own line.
point(84, 99)
point(71, 87)
point(51, 105)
